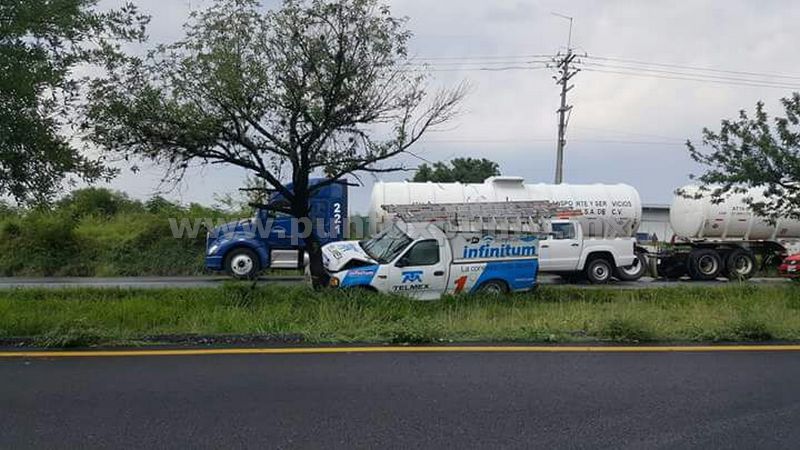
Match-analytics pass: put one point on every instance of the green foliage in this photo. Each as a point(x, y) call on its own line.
point(41, 42)
point(464, 170)
point(98, 232)
point(98, 201)
point(281, 94)
point(56, 317)
point(624, 330)
point(756, 152)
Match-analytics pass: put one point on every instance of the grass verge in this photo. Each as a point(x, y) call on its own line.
point(88, 317)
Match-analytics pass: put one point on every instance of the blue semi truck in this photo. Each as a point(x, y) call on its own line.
point(270, 239)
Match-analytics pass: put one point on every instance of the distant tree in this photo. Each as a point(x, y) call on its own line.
point(755, 152)
point(315, 87)
point(464, 170)
point(42, 43)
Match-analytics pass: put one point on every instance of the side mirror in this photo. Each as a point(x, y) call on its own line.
point(402, 262)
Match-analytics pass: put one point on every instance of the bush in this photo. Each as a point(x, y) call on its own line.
point(98, 232)
point(98, 201)
point(624, 330)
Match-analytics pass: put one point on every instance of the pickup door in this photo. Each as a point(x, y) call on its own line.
point(421, 271)
point(561, 251)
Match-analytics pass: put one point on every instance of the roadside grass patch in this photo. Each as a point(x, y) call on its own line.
point(624, 330)
point(87, 317)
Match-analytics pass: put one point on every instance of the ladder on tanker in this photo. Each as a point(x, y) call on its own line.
point(524, 216)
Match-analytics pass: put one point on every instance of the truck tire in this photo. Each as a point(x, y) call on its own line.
point(704, 264)
point(740, 264)
point(598, 271)
point(493, 287)
point(634, 271)
point(242, 263)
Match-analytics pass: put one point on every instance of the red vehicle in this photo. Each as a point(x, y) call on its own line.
point(790, 267)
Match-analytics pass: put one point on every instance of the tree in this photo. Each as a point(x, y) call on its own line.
point(755, 152)
point(42, 43)
point(313, 87)
point(464, 170)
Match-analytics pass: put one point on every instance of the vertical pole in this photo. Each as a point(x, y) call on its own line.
point(563, 79)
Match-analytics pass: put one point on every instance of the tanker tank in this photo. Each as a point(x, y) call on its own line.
point(608, 210)
point(731, 219)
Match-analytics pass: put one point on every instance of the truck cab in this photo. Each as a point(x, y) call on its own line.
point(423, 261)
point(272, 239)
point(565, 251)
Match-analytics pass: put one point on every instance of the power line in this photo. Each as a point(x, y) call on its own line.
point(478, 69)
point(459, 63)
point(523, 141)
point(485, 57)
point(703, 80)
point(696, 68)
point(688, 74)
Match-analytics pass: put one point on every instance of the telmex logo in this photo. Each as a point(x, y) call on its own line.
point(498, 251)
point(412, 276)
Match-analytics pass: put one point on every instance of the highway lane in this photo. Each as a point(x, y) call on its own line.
point(216, 281)
point(382, 400)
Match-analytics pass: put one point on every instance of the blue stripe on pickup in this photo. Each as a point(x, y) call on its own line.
point(359, 277)
point(518, 274)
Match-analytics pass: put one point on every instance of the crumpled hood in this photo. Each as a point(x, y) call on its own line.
point(336, 254)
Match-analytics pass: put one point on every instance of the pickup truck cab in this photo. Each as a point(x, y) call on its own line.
point(423, 261)
point(566, 252)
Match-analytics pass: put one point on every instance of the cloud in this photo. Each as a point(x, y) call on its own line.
point(517, 108)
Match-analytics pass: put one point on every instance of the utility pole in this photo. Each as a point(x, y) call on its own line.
point(564, 73)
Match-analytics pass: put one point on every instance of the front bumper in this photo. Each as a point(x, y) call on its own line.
point(214, 263)
point(789, 270)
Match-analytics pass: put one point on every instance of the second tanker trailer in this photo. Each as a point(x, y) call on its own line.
point(724, 238)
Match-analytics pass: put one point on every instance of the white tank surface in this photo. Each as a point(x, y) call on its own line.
point(732, 219)
point(609, 210)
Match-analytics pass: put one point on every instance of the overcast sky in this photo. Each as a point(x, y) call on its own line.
point(623, 129)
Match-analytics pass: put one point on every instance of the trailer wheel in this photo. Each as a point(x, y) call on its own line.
point(242, 263)
point(493, 287)
point(634, 271)
point(740, 265)
point(704, 264)
point(598, 271)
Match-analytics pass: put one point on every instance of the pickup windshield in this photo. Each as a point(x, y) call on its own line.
point(386, 245)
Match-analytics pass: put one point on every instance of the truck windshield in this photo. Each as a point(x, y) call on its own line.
point(385, 246)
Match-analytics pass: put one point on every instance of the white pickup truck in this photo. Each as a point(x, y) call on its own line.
point(567, 252)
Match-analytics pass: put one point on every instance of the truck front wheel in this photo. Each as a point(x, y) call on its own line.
point(242, 263)
point(598, 271)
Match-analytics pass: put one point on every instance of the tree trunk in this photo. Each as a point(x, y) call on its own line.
point(319, 277)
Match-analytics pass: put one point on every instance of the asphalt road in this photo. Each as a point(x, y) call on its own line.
point(450, 400)
point(216, 281)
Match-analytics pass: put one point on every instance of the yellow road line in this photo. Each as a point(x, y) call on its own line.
point(397, 349)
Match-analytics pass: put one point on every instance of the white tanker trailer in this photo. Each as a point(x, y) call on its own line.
point(609, 210)
point(611, 214)
point(722, 239)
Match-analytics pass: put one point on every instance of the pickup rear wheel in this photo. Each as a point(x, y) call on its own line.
point(634, 271)
point(598, 271)
point(242, 263)
point(493, 287)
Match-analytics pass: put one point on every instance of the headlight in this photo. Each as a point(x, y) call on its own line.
point(334, 282)
point(213, 249)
